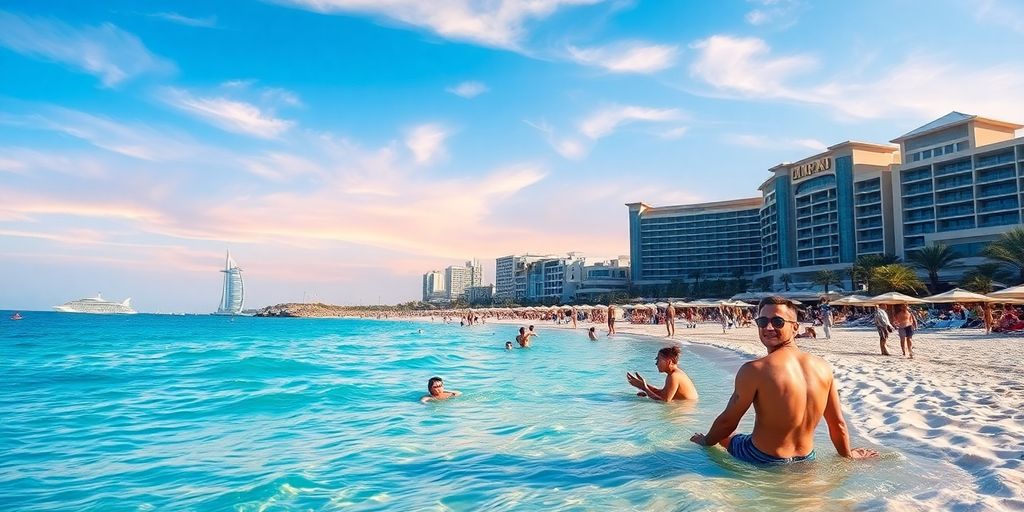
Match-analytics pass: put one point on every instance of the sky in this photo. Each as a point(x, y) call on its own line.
point(341, 148)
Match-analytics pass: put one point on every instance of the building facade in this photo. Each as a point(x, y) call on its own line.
point(678, 243)
point(480, 294)
point(960, 183)
point(958, 180)
point(433, 286)
point(510, 275)
point(601, 279)
point(824, 211)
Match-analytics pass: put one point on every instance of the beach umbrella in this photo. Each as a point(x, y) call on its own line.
point(662, 304)
point(600, 306)
point(1013, 292)
point(896, 298)
point(852, 300)
point(958, 295)
point(628, 306)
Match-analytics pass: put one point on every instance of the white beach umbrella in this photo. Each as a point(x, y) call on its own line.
point(600, 306)
point(958, 295)
point(1013, 292)
point(896, 298)
point(662, 304)
point(852, 300)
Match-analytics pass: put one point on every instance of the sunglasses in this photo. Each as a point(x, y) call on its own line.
point(776, 321)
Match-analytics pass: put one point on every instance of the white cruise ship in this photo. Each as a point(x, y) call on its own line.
point(97, 305)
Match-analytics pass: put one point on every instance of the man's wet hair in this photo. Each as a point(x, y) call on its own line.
point(670, 353)
point(430, 383)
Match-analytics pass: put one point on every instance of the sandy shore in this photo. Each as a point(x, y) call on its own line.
point(960, 400)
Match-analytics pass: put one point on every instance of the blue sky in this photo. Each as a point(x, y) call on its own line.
point(341, 148)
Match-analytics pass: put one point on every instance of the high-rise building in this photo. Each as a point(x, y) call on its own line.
point(433, 286)
point(959, 183)
point(695, 241)
point(474, 273)
point(455, 281)
point(232, 296)
point(510, 275)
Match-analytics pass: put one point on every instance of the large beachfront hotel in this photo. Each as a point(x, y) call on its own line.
point(958, 180)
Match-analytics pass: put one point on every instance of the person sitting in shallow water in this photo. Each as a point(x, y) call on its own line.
point(791, 392)
point(678, 385)
point(435, 391)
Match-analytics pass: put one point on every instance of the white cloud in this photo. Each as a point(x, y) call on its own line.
point(920, 87)
point(228, 114)
point(780, 13)
point(105, 51)
point(470, 89)
point(1009, 14)
point(427, 143)
point(497, 23)
point(745, 66)
point(207, 22)
point(629, 57)
point(605, 121)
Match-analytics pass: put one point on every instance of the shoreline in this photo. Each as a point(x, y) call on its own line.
point(961, 400)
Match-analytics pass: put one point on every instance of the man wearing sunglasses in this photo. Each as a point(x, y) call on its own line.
point(791, 392)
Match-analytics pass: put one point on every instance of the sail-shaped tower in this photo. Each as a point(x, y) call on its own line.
point(233, 295)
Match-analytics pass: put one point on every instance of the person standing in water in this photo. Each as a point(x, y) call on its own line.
point(592, 332)
point(678, 385)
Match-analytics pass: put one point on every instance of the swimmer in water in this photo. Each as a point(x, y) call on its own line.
point(677, 385)
point(508, 345)
point(592, 333)
point(435, 390)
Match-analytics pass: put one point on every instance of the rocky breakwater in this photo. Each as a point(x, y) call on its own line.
point(306, 310)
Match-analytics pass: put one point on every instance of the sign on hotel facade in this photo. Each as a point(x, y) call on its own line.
point(810, 168)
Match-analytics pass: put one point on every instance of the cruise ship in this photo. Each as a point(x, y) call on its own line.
point(97, 305)
point(233, 292)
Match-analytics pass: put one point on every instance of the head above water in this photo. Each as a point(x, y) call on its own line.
point(435, 386)
point(508, 344)
point(522, 330)
point(669, 354)
point(778, 314)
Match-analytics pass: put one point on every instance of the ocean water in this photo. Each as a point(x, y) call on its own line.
point(152, 412)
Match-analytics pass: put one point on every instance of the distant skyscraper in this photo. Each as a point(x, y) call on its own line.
point(474, 273)
point(433, 286)
point(510, 275)
point(455, 281)
point(232, 296)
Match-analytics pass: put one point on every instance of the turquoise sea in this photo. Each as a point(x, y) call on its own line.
point(150, 412)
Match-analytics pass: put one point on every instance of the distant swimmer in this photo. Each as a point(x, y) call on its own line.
point(678, 385)
point(524, 337)
point(419, 331)
point(508, 345)
point(435, 390)
point(790, 390)
point(592, 332)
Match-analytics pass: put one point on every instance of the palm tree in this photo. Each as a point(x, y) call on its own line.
point(695, 275)
point(826, 278)
point(933, 259)
point(865, 265)
point(895, 277)
point(981, 278)
point(1009, 249)
point(786, 279)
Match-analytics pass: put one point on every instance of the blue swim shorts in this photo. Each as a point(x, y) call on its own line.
point(742, 447)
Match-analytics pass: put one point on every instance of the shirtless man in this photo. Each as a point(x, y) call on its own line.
point(905, 322)
point(791, 391)
point(670, 320)
point(611, 319)
point(524, 337)
point(592, 333)
point(435, 391)
point(677, 385)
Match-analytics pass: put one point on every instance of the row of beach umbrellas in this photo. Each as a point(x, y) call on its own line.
point(1009, 295)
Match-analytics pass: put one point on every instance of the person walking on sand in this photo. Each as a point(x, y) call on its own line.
point(670, 320)
point(986, 316)
point(791, 392)
point(611, 319)
point(826, 318)
point(884, 327)
point(905, 323)
point(573, 318)
point(677, 385)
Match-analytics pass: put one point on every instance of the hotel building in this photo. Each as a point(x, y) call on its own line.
point(671, 243)
point(958, 180)
point(510, 275)
point(433, 286)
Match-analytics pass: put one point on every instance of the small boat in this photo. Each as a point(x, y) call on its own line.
point(16, 316)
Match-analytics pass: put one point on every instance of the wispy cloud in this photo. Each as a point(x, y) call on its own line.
point(916, 87)
point(1009, 14)
point(205, 22)
point(604, 122)
point(627, 57)
point(427, 143)
point(228, 114)
point(105, 51)
point(774, 143)
point(778, 13)
point(470, 89)
point(497, 23)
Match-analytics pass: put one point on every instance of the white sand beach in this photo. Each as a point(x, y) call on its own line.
point(961, 400)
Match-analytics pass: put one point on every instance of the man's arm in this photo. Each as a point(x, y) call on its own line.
point(837, 427)
point(742, 397)
point(667, 393)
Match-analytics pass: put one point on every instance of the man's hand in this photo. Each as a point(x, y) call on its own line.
point(698, 438)
point(636, 381)
point(863, 453)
